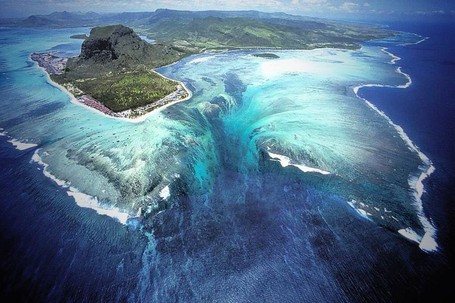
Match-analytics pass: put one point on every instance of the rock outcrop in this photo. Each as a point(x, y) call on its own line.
point(115, 43)
point(116, 48)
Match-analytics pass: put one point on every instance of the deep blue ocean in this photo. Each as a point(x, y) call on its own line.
point(426, 110)
point(232, 213)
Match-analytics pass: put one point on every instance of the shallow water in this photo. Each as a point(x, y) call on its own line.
point(205, 182)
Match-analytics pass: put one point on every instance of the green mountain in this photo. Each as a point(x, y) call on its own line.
point(77, 19)
point(62, 19)
point(117, 48)
point(115, 68)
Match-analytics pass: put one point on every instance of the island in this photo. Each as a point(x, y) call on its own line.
point(114, 73)
point(267, 55)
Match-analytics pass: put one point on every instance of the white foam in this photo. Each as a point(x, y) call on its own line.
point(410, 234)
point(426, 170)
point(415, 183)
point(359, 211)
point(408, 78)
point(165, 193)
point(82, 199)
point(428, 242)
point(21, 145)
point(200, 60)
point(87, 201)
point(147, 39)
point(286, 161)
point(307, 169)
point(36, 158)
point(414, 43)
point(394, 59)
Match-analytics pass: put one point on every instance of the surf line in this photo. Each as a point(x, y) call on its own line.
point(427, 242)
point(82, 200)
point(286, 161)
point(18, 144)
point(415, 43)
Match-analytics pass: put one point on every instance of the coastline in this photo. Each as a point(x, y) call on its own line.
point(136, 119)
point(427, 242)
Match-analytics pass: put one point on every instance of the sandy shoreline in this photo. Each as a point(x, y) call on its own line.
point(137, 119)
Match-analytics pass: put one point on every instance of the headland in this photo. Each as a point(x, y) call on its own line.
point(113, 75)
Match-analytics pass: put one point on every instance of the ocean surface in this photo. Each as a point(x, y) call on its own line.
point(324, 175)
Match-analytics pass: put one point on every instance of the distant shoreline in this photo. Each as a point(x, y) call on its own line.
point(43, 61)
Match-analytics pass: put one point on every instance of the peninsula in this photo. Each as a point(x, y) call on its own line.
point(114, 73)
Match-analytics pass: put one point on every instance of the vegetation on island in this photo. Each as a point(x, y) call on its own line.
point(238, 32)
point(115, 68)
point(123, 91)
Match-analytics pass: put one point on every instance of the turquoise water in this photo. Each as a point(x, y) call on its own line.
point(266, 155)
point(300, 106)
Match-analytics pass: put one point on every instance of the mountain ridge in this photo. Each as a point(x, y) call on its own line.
point(195, 31)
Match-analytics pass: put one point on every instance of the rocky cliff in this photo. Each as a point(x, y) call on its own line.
point(118, 48)
point(115, 43)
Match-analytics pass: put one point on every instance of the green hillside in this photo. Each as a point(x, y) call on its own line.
point(196, 31)
point(215, 33)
